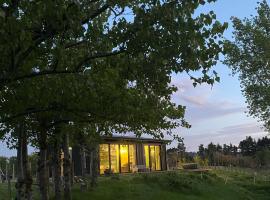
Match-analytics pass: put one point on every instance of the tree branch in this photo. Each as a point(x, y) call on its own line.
point(98, 55)
point(96, 13)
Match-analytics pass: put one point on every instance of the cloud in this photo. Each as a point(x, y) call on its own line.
point(195, 100)
point(239, 129)
point(244, 129)
point(202, 102)
point(211, 110)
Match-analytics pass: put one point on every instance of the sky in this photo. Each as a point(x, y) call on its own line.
point(218, 113)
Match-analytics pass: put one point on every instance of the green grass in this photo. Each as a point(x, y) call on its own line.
point(174, 186)
point(179, 185)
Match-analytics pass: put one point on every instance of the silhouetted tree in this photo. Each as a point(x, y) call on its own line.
point(248, 146)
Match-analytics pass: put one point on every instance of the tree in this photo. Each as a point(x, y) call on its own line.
point(263, 157)
point(211, 151)
point(73, 62)
point(248, 55)
point(248, 146)
point(263, 143)
point(202, 152)
point(181, 149)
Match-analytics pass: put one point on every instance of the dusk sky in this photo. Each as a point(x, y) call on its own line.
point(217, 114)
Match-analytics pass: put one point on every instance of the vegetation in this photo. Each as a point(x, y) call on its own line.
point(249, 153)
point(248, 55)
point(216, 185)
point(80, 69)
point(72, 71)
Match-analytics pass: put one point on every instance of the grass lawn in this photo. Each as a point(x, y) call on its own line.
point(179, 185)
point(173, 186)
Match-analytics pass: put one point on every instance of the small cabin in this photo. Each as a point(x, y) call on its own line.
point(119, 154)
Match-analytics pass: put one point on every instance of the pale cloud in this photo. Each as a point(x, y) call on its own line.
point(214, 117)
point(195, 100)
point(212, 110)
point(202, 102)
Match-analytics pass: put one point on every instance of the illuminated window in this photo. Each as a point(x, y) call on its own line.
point(153, 158)
point(114, 148)
point(132, 156)
point(104, 157)
point(121, 158)
point(157, 156)
point(124, 158)
point(146, 156)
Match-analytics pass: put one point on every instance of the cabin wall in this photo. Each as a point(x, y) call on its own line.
point(140, 154)
point(163, 157)
point(140, 157)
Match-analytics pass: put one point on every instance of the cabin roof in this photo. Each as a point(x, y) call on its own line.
point(115, 138)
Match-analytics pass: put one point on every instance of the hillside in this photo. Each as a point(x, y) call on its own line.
point(219, 185)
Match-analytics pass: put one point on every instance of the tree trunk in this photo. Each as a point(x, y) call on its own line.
point(42, 166)
point(20, 177)
point(57, 169)
point(94, 166)
point(67, 168)
point(25, 166)
point(8, 181)
point(83, 160)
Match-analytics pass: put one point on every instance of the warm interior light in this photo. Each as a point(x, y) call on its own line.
point(123, 150)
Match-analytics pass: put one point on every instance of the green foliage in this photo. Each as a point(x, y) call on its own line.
point(263, 157)
point(103, 63)
point(201, 162)
point(248, 55)
point(250, 153)
point(173, 186)
point(176, 185)
point(248, 146)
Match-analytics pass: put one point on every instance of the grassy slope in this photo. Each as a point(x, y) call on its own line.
point(173, 186)
point(184, 186)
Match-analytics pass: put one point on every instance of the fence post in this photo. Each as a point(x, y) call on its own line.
point(254, 178)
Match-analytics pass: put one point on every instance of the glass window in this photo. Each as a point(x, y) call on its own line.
point(114, 148)
point(146, 155)
point(153, 158)
point(104, 157)
point(124, 158)
point(132, 157)
point(157, 156)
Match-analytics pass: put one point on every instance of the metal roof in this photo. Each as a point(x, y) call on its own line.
point(134, 139)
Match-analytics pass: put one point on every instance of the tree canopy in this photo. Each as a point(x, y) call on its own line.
point(106, 64)
point(249, 55)
point(113, 48)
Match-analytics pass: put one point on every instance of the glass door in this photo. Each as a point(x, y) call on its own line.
point(153, 158)
point(104, 157)
point(114, 148)
point(124, 158)
point(132, 156)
